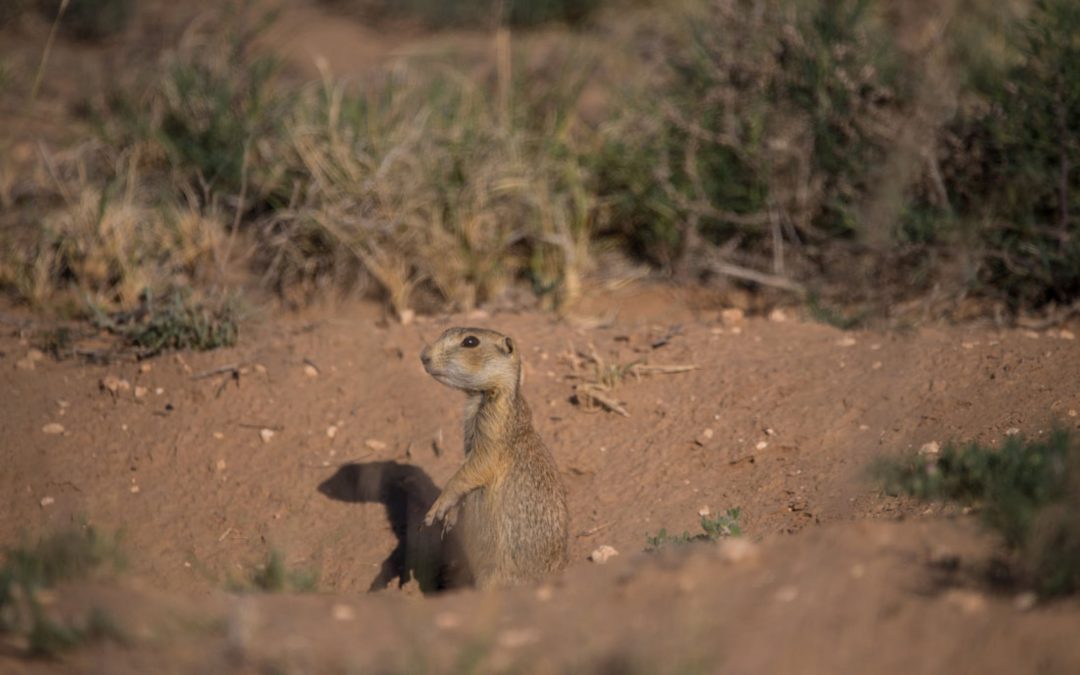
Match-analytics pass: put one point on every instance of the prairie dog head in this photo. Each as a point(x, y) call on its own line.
point(474, 359)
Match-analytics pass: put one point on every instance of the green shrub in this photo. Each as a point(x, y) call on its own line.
point(482, 13)
point(1014, 169)
point(274, 577)
point(766, 109)
point(713, 529)
point(62, 556)
point(1028, 490)
point(177, 323)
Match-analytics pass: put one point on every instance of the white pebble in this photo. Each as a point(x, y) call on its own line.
point(602, 554)
point(46, 501)
point(266, 435)
point(53, 428)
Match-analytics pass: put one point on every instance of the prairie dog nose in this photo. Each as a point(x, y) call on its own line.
point(425, 358)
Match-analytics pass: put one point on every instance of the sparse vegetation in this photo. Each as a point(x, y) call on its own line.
point(1028, 491)
point(773, 143)
point(274, 577)
point(27, 570)
point(175, 323)
point(713, 529)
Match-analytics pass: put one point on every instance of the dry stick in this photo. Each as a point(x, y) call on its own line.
point(604, 401)
point(45, 54)
point(739, 272)
point(231, 368)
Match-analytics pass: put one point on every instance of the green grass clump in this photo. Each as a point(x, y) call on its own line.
point(63, 556)
point(713, 529)
point(274, 577)
point(1028, 490)
point(178, 323)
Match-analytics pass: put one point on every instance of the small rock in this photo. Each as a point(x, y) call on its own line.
point(1012, 431)
point(1066, 334)
point(1030, 334)
point(969, 602)
point(134, 489)
point(342, 612)
point(375, 444)
point(331, 431)
point(876, 365)
point(602, 554)
point(114, 385)
point(406, 316)
point(25, 364)
point(310, 370)
point(707, 434)
point(1072, 413)
point(847, 341)
point(968, 345)
point(46, 501)
point(761, 445)
point(53, 428)
point(703, 511)
point(930, 449)
point(266, 435)
point(260, 369)
point(218, 435)
point(1025, 601)
point(736, 550)
point(141, 392)
point(221, 465)
point(62, 403)
point(447, 620)
point(159, 391)
point(732, 316)
point(35, 355)
point(786, 594)
point(145, 368)
point(778, 315)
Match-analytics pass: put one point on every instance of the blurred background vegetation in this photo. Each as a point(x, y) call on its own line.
point(902, 157)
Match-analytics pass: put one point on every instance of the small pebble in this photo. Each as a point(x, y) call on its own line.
point(761, 445)
point(331, 431)
point(602, 554)
point(114, 385)
point(778, 315)
point(342, 612)
point(46, 501)
point(847, 342)
point(929, 449)
point(310, 370)
point(969, 602)
point(1066, 335)
point(141, 392)
point(145, 368)
point(53, 428)
point(1012, 431)
point(134, 489)
point(703, 511)
point(375, 444)
point(266, 435)
point(732, 315)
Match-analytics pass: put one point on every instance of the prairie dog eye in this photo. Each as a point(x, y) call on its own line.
point(470, 341)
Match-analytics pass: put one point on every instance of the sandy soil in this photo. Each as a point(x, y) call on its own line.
point(781, 419)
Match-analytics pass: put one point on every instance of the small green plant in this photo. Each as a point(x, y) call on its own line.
point(178, 323)
point(27, 570)
point(713, 529)
point(274, 577)
point(1028, 490)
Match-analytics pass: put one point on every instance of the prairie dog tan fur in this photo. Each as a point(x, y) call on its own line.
point(512, 500)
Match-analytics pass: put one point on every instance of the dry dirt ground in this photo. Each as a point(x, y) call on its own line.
point(780, 418)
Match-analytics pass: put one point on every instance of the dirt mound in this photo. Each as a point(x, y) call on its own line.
point(321, 437)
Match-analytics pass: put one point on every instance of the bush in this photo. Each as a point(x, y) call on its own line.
point(482, 13)
point(1015, 166)
point(1028, 491)
point(770, 112)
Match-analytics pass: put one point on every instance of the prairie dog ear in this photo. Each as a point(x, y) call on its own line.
point(507, 345)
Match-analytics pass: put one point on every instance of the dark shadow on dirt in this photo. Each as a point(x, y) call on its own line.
point(423, 553)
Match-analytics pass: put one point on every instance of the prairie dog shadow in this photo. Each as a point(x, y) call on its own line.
point(422, 553)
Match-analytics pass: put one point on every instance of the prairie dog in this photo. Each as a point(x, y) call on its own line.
point(512, 500)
